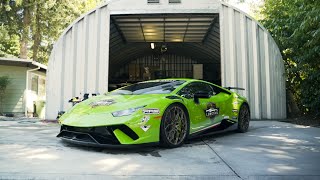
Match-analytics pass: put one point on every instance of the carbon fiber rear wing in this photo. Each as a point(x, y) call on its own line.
point(237, 88)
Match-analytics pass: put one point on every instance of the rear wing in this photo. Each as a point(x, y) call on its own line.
point(237, 88)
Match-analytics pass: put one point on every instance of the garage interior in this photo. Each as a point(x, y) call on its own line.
point(144, 47)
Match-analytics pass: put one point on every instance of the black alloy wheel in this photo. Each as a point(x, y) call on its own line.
point(244, 118)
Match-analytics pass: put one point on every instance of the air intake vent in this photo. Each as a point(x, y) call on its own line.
point(153, 1)
point(174, 1)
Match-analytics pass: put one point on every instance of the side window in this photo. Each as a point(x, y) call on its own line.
point(218, 90)
point(192, 88)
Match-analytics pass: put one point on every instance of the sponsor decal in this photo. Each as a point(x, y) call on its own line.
point(151, 111)
point(145, 128)
point(105, 102)
point(211, 110)
point(145, 119)
point(174, 97)
point(234, 110)
point(157, 117)
point(236, 102)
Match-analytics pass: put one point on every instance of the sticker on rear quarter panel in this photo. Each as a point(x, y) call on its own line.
point(151, 111)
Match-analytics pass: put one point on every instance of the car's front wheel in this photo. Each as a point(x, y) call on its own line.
point(174, 126)
point(244, 118)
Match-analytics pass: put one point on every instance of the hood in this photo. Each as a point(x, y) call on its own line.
point(111, 103)
point(97, 109)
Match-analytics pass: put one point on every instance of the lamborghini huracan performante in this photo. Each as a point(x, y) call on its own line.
point(167, 111)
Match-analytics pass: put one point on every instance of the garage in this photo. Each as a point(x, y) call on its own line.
point(125, 42)
point(165, 45)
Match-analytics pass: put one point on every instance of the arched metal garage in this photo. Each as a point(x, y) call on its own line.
point(113, 42)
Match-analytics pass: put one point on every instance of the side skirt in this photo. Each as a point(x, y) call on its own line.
point(224, 125)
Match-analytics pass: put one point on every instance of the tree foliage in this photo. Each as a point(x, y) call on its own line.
point(9, 45)
point(295, 25)
point(32, 26)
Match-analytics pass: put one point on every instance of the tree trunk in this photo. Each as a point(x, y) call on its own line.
point(37, 34)
point(26, 22)
point(1, 110)
point(292, 107)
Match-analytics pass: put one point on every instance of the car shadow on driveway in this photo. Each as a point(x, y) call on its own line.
point(153, 150)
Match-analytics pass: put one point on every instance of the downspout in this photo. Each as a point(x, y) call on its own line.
point(26, 91)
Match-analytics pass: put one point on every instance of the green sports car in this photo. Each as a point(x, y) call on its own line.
point(167, 111)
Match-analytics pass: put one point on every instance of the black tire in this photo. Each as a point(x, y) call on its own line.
point(174, 128)
point(244, 118)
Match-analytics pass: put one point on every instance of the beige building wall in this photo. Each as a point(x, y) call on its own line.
point(18, 97)
point(13, 101)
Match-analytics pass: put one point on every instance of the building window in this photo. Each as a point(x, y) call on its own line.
point(153, 1)
point(38, 85)
point(34, 84)
point(42, 87)
point(174, 1)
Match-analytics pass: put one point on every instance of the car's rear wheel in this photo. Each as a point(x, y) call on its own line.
point(174, 126)
point(244, 118)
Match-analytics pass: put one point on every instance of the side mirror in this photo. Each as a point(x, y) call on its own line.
point(200, 94)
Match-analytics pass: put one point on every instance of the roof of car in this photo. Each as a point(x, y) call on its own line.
point(172, 79)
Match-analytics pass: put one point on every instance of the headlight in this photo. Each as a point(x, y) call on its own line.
point(126, 112)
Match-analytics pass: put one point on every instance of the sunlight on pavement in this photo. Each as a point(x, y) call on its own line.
point(288, 126)
point(253, 150)
point(281, 168)
point(24, 128)
point(271, 153)
point(284, 139)
point(37, 153)
point(30, 151)
point(119, 164)
point(43, 157)
point(279, 156)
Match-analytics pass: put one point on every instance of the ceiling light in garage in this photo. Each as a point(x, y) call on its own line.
point(149, 29)
point(177, 40)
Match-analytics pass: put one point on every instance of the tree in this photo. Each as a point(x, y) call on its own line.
point(9, 46)
point(38, 23)
point(4, 82)
point(295, 26)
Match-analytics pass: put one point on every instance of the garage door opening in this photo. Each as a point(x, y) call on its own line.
point(153, 46)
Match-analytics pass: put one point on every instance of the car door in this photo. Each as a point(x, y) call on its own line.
point(203, 112)
point(224, 101)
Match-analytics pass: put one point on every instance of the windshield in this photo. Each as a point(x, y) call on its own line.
point(149, 87)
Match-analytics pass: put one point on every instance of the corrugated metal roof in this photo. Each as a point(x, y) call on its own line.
point(21, 62)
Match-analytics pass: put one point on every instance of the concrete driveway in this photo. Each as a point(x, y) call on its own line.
point(270, 150)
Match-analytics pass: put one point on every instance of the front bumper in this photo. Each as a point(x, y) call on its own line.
point(102, 136)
